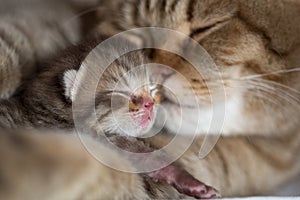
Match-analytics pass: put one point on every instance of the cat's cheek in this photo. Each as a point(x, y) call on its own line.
point(185, 121)
point(191, 120)
point(224, 118)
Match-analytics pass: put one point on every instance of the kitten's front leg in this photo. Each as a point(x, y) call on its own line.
point(184, 182)
point(172, 174)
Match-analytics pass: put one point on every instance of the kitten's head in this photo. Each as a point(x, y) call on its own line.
point(255, 45)
point(127, 95)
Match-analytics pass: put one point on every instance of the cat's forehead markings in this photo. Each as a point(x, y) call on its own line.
point(184, 28)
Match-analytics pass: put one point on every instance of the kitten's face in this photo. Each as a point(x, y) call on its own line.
point(246, 40)
point(133, 112)
point(127, 95)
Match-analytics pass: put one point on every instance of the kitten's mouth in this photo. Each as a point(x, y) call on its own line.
point(146, 120)
point(142, 106)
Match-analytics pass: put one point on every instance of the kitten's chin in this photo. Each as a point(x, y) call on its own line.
point(135, 127)
point(135, 131)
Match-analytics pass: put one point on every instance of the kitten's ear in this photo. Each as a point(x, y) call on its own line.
point(69, 80)
point(72, 80)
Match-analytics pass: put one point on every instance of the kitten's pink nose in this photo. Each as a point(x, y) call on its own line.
point(148, 104)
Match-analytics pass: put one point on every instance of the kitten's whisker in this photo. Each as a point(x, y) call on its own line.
point(219, 82)
point(267, 97)
point(118, 92)
point(268, 84)
point(258, 78)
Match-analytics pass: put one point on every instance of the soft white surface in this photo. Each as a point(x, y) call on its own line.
point(291, 189)
point(268, 198)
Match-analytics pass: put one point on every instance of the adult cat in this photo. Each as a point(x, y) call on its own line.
point(255, 45)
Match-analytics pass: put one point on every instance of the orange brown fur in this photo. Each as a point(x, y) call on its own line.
point(259, 149)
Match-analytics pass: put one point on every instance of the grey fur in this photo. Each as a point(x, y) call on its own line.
point(43, 103)
point(29, 33)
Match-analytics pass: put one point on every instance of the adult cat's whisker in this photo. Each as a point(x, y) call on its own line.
point(265, 87)
point(271, 73)
point(267, 92)
point(276, 90)
point(268, 84)
point(213, 82)
point(258, 94)
point(262, 88)
point(279, 84)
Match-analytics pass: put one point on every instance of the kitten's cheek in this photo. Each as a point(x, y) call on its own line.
point(145, 122)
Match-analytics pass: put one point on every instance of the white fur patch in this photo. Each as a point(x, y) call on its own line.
point(69, 79)
point(223, 118)
point(72, 81)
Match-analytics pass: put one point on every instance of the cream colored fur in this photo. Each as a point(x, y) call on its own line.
point(260, 145)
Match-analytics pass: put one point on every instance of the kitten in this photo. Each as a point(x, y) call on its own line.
point(46, 102)
point(73, 173)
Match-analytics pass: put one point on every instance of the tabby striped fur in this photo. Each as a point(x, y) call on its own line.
point(256, 47)
point(259, 150)
point(29, 34)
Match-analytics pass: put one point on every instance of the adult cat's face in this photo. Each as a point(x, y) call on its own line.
point(255, 46)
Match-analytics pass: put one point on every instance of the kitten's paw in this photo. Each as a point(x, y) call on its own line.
point(192, 187)
point(185, 183)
